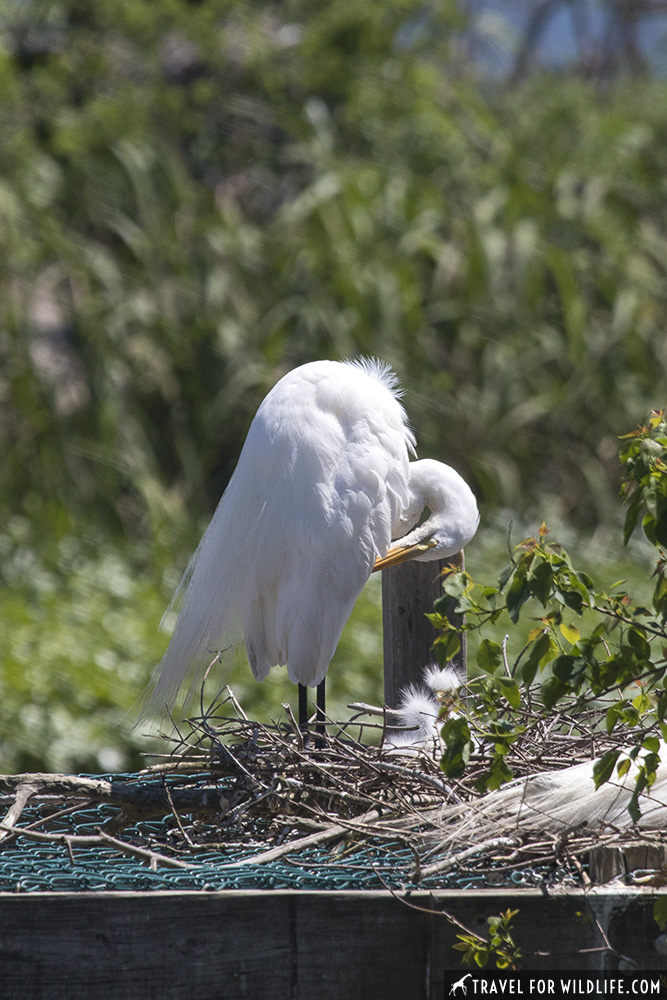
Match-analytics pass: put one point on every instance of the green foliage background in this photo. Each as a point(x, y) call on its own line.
point(194, 198)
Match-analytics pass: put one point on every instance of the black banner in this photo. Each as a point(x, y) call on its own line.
point(536, 985)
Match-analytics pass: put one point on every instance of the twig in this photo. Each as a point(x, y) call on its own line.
point(141, 852)
point(504, 651)
point(293, 723)
point(485, 847)
point(23, 795)
point(176, 816)
point(92, 840)
point(235, 703)
point(330, 833)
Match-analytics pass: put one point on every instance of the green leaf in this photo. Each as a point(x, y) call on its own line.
point(517, 595)
point(623, 767)
point(510, 691)
point(489, 656)
point(540, 648)
point(552, 691)
point(455, 584)
point(631, 516)
point(563, 666)
point(447, 646)
point(505, 575)
point(660, 531)
point(458, 746)
point(540, 577)
point(604, 767)
point(499, 773)
point(638, 644)
point(570, 632)
point(529, 671)
point(660, 595)
point(651, 762)
point(660, 712)
point(573, 599)
point(613, 714)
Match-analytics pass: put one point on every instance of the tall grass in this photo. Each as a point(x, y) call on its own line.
point(196, 197)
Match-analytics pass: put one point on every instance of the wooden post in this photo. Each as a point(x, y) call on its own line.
point(408, 593)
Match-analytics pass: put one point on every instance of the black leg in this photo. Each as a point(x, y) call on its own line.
point(319, 713)
point(303, 708)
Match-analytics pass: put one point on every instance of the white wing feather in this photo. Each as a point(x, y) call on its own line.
point(552, 801)
point(321, 479)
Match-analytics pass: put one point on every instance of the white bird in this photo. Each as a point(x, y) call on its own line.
point(556, 800)
point(419, 713)
point(451, 522)
point(549, 802)
point(322, 486)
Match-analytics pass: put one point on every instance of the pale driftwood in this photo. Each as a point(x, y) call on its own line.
point(24, 793)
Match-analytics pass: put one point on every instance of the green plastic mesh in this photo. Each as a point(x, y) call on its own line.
point(29, 866)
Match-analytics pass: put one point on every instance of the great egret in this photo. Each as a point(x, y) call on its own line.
point(548, 802)
point(322, 486)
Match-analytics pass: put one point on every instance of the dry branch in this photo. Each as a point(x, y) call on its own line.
point(138, 801)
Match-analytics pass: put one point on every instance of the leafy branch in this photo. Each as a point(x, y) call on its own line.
point(594, 659)
point(500, 944)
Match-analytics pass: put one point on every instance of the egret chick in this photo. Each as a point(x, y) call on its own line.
point(419, 712)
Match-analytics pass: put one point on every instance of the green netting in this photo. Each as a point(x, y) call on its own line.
point(29, 866)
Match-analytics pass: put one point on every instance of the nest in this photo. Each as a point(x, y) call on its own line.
point(257, 793)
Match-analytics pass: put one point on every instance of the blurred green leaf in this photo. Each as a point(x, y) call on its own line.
point(489, 656)
point(604, 767)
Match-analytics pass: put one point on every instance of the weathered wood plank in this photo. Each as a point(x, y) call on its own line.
point(606, 863)
point(408, 593)
point(292, 944)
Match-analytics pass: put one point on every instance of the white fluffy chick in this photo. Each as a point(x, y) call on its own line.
point(419, 712)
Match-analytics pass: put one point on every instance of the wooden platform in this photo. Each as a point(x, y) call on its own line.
point(291, 944)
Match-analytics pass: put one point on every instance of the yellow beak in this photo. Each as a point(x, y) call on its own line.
point(401, 553)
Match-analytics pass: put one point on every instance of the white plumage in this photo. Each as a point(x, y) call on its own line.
point(418, 713)
point(558, 800)
point(417, 718)
point(444, 682)
point(546, 802)
point(322, 486)
point(451, 522)
point(550, 803)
